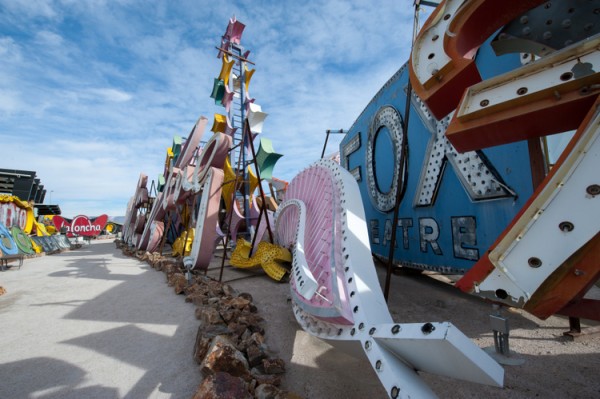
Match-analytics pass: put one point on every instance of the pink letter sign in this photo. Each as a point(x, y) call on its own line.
point(81, 225)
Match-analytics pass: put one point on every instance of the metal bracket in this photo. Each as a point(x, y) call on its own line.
point(500, 352)
point(501, 334)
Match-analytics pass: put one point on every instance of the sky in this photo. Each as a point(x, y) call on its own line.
point(93, 91)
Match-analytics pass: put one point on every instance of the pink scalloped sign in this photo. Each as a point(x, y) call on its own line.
point(81, 225)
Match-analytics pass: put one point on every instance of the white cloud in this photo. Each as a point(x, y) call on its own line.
point(10, 102)
point(113, 95)
point(31, 8)
point(47, 38)
point(92, 92)
point(9, 50)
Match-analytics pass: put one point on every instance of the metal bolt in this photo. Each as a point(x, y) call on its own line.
point(368, 345)
point(566, 76)
point(378, 365)
point(534, 262)
point(427, 328)
point(372, 331)
point(484, 103)
point(522, 90)
point(396, 329)
point(353, 331)
point(566, 226)
point(394, 392)
point(502, 294)
point(593, 189)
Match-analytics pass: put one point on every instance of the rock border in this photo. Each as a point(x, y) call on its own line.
point(230, 347)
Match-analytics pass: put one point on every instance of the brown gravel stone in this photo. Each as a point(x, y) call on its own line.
point(229, 314)
point(236, 328)
point(229, 290)
point(201, 347)
point(208, 315)
point(255, 355)
point(248, 338)
point(169, 268)
point(250, 308)
point(197, 298)
point(267, 391)
point(204, 338)
point(257, 339)
point(272, 379)
point(178, 282)
point(252, 321)
point(223, 356)
point(238, 303)
point(273, 366)
point(159, 265)
point(247, 296)
point(222, 386)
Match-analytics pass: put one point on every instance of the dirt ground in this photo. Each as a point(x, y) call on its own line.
point(553, 366)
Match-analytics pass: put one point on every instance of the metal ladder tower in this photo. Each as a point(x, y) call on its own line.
point(237, 117)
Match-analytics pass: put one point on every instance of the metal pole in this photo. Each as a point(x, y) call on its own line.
point(325, 145)
point(260, 188)
point(340, 131)
point(402, 171)
point(243, 150)
point(228, 232)
point(399, 194)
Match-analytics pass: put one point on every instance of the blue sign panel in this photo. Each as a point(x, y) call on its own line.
point(454, 205)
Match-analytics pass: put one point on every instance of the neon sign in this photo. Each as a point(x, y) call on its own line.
point(81, 225)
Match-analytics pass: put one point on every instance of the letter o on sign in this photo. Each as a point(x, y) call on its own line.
point(387, 118)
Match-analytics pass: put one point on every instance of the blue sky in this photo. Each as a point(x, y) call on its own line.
point(92, 92)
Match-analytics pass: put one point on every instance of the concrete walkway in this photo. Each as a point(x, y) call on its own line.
point(92, 323)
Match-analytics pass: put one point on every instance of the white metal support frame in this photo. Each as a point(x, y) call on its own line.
point(396, 351)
